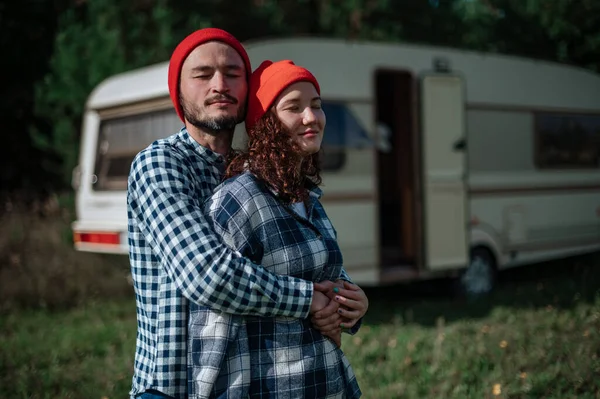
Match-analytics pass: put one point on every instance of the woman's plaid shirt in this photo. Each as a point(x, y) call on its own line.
point(269, 357)
point(176, 257)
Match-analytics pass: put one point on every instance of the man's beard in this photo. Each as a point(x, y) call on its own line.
point(212, 126)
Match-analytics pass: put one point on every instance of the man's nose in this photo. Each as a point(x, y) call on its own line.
point(220, 83)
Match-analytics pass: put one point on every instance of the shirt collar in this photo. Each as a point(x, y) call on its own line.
point(314, 191)
point(211, 156)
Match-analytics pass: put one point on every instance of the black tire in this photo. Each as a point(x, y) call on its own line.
point(479, 278)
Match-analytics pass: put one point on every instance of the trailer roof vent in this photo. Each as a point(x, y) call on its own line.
point(441, 64)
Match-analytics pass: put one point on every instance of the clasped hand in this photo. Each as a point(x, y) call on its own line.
point(337, 305)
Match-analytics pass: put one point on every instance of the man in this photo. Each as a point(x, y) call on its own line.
point(175, 256)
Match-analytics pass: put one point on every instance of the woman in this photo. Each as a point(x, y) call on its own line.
point(268, 209)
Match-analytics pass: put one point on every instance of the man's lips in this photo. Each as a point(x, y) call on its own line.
point(221, 100)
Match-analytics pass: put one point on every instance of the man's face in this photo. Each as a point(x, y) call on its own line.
point(213, 87)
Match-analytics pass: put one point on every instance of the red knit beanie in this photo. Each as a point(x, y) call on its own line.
point(268, 81)
point(187, 45)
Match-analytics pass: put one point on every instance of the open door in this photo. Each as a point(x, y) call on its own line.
point(444, 174)
point(395, 117)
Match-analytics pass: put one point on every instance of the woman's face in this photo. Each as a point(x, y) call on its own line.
point(298, 107)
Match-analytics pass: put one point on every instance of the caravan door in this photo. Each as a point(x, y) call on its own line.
point(444, 172)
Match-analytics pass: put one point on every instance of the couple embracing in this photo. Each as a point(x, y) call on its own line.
point(239, 281)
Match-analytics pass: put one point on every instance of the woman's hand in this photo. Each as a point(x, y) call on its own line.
point(353, 303)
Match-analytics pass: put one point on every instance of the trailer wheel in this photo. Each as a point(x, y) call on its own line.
point(479, 278)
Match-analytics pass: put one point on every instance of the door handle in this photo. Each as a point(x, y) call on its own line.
point(459, 145)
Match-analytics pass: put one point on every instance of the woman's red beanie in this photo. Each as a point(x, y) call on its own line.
point(268, 81)
point(187, 45)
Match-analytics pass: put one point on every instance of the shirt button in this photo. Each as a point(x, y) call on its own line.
point(220, 159)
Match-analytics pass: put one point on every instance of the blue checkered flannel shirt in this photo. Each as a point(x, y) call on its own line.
point(177, 259)
point(233, 356)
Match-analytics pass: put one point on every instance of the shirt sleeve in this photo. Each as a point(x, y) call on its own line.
point(169, 212)
point(235, 217)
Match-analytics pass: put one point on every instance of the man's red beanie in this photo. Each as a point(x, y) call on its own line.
point(184, 49)
point(268, 81)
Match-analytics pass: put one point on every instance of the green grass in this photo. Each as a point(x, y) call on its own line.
point(86, 352)
point(537, 336)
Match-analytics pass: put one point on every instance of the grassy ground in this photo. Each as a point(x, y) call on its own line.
point(537, 336)
point(534, 338)
point(40, 270)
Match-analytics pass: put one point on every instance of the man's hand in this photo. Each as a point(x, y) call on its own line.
point(319, 302)
point(324, 312)
point(336, 336)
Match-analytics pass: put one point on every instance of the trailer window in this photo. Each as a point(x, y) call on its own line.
point(567, 141)
point(342, 131)
point(491, 134)
point(120, 139)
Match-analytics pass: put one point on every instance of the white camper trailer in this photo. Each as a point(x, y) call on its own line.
point(436, 161)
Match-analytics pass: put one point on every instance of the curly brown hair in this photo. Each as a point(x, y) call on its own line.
point(273, 157)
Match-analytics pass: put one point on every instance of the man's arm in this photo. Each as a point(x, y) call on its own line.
point(207, 272)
